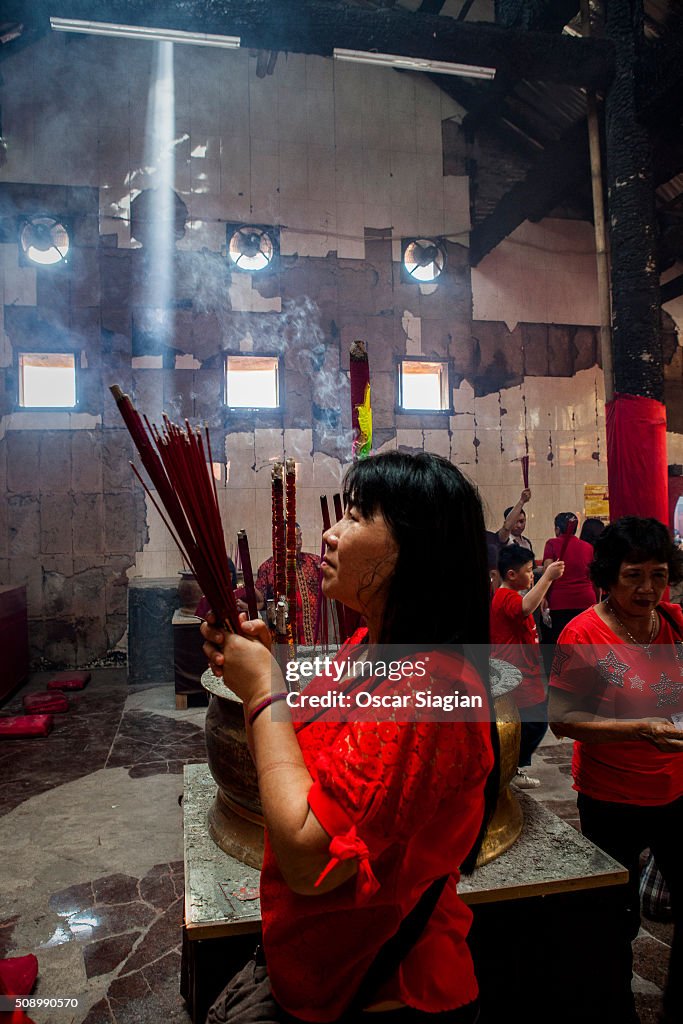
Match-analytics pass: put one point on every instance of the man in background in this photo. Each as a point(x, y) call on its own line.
point(307, 578)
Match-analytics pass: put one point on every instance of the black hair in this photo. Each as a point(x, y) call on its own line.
point(507, 512)
point(563, 519)
point(634, 539)
point(513, 556)
point(436, 518)
point(591, 530)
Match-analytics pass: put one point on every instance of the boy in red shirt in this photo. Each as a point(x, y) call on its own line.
point(514, 638)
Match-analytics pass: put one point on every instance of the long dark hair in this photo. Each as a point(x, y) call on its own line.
point(439, 591)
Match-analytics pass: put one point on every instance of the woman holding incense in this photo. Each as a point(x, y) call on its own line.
point(573, 592)
point(616, 690)
point(371, 817)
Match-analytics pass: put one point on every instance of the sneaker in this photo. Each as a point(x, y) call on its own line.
point(523, 781)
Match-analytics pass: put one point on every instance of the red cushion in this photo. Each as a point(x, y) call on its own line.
point(44, 703)
point(18, 975)
point(25, 725)
point(69, 681)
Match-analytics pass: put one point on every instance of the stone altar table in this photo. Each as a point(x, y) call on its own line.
point(541, 939)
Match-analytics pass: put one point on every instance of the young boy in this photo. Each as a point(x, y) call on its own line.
point(514, 636)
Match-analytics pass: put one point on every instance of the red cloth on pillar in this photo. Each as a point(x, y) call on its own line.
point(636, 458)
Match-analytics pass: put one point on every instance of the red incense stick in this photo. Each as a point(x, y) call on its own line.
point(338, 508)
point(176, 464)
point(341, 609)
point(247, 573)
point(525, 470)
point(290, 493)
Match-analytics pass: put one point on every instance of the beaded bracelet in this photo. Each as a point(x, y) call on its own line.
point(266, 704)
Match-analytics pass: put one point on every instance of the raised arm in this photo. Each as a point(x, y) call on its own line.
point(513, 516)
point(534, 597)
point(299, 842)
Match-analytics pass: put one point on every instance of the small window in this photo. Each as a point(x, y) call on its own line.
point(252, 382)
point(47, 380)
point(424, 386)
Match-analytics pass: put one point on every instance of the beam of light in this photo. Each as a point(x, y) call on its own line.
point(160, 162)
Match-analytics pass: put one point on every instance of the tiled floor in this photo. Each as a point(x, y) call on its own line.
point(91, 871)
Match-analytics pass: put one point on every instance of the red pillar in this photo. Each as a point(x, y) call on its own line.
point(637, 469)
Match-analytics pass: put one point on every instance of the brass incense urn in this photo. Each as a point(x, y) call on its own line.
point(506, 824)
point(235, 818)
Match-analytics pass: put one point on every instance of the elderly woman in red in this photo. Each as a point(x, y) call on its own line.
point(616, 688)
point(372, 816)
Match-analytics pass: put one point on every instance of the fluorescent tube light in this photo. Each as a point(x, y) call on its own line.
point(395, 60)
point(162, 35)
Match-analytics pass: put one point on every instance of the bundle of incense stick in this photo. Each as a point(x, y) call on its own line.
point(290, 574)
point(284, 616)
point(247, 573)
point(567, 536)
point(279, 544)
point(179, 466)
point(525, 470)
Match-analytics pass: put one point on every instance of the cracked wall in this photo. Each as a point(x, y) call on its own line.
point(345, 160)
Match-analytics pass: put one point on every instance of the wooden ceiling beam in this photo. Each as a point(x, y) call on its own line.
point(540, 16)
point(556, 170)
point(320, 26)
point(430, 7)
point(670, 245)
point(673, 289)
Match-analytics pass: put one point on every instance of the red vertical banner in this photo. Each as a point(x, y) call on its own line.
point(637, 470)
point(361, 410)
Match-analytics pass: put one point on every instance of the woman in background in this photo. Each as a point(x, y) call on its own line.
point(614, 689)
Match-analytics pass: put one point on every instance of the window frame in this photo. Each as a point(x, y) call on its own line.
point(261, 410)
point(18, 370)
point(446, 389)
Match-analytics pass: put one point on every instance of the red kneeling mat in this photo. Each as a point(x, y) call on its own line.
point(25, 725)
point(45, 703)
point(69, 681)
point(18, 975)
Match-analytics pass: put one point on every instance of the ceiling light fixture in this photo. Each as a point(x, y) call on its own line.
point(161, 35)
point(395, 60)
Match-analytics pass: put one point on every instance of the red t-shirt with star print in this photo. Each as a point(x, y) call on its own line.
point(615, 679)
point(405, 799)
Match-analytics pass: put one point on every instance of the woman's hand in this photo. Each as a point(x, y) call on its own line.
point(663, 734)
point(244, 662)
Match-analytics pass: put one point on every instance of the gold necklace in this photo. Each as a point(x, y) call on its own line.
point(629, 634)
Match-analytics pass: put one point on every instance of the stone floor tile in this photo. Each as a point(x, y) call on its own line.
point(107, 955)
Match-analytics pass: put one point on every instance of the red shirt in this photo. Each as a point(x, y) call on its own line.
point(406, 799)
point(515, 639)
point(624, 681)
point(573, 589)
